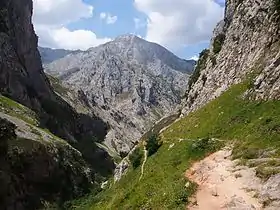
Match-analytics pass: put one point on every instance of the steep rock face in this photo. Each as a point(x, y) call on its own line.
point(245, 43)
point(22, 79)
point(33, 172)
point(21, 72)
point(129, 82)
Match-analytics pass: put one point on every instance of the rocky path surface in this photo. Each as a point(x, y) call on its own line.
point(144, 162)
point(224, 185)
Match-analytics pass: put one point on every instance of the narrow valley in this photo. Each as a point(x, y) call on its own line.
point(122, 122)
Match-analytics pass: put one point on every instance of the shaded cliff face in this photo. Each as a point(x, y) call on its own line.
point(245, 44)
point(22, 77)
point(129, 82)
point(23, 80)
point(33, 172)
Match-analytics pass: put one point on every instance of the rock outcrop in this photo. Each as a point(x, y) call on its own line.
point(129, 82)
point(245, 44)
point(22, 77)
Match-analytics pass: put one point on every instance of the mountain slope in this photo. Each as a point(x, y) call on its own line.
point(49, 55)
point(227, 120)
point(232, 100)
point(129, 82)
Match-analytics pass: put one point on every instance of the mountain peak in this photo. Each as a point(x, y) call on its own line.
point(128, 37)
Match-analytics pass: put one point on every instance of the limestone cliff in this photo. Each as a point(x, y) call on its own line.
point(244, 44)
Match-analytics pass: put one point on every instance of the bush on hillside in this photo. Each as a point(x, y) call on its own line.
point(136, 158)
point(153, 144)
point(277, 6)
point(218, 43)
point(7, 131)
point(201, 64)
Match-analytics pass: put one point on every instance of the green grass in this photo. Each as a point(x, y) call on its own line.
point(15, 109)
point(252, 126)
point(58, 87)
point(12, 108)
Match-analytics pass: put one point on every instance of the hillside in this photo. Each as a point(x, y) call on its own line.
point(49, 55)
point(129, 83)
point(250, 126)
point(232, 104)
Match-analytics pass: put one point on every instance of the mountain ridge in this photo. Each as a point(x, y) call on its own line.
point(129, 82)
point(49, 55)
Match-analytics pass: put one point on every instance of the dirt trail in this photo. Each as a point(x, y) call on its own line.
point(223, 185)
point(144, 162)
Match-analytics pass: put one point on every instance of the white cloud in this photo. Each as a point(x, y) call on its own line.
point(195, 57)
point(110, 19)
point(178, 23)
point(77, 39)
point(139, 23)
point(103, 15)
point(51, 17)
point(57, 12)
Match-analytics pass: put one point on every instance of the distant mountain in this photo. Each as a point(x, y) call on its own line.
point(49, 55)
point(128, 82)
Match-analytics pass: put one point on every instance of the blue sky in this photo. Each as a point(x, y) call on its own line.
point(182, 26)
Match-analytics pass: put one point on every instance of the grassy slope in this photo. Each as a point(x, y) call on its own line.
point(19, 111)
point(251, 125)
point(15, 109)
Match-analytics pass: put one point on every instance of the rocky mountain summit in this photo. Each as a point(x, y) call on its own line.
point(129, 82)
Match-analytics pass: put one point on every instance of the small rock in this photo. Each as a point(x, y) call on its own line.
point(171, 146)
point(104, 185)
point(187, 185)
point(214, 192)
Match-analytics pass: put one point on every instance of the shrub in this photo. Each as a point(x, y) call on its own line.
point(136, 157)
point(206, 144)
point(201, 64)
point(213, 60)
point(218, 43)
point(153, 144)
point(7, 131)
point(277, 6)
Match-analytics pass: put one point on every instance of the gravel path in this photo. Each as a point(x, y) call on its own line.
point(223, 185)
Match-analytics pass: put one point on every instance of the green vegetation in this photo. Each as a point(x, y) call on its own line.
point(266, 172)
point(252, 126)
point(213, 60)
point(58, 87)
point(201, 64)
point(153, 144)
point(7, 131)
point(277, 6)
point(136, 157)
point(218, 43)
point(15, 109)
